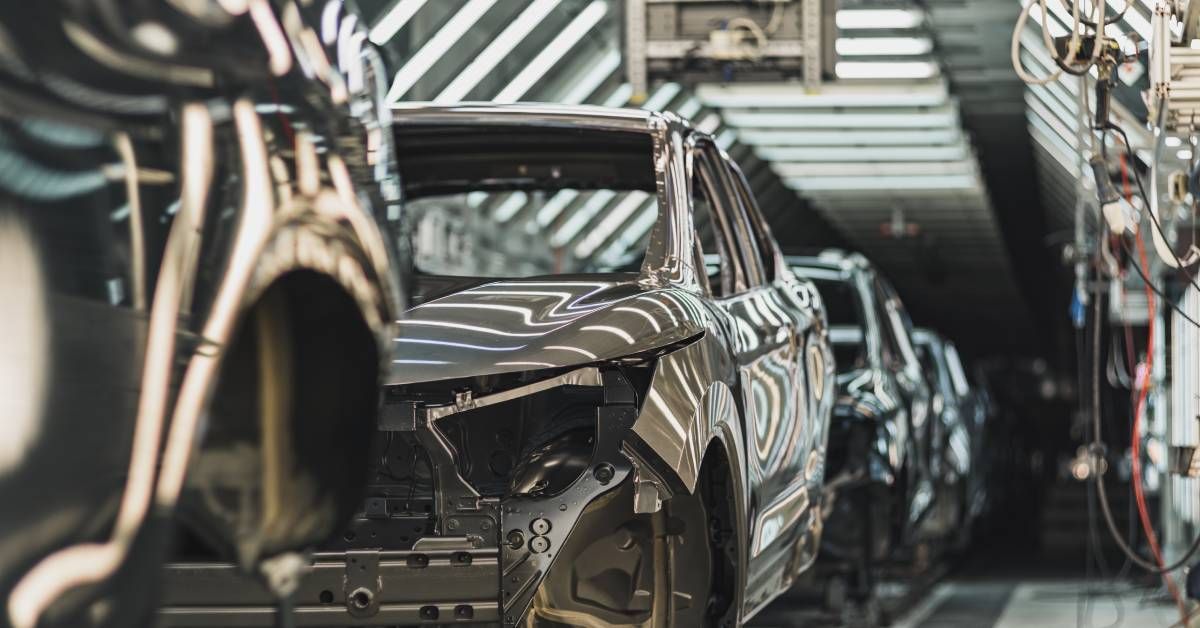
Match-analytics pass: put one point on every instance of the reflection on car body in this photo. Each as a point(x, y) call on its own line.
point(958, 447)
point(584, 412)
point(182, 201)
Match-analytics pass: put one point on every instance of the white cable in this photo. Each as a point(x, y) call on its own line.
point(1026, 77)
point(749, 25)
point(1073, 46)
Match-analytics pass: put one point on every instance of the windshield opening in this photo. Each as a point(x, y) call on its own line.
point(511, 202)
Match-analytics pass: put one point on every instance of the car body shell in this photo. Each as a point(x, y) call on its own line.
point(152, 190)
point(962, 415)
point(737, 374)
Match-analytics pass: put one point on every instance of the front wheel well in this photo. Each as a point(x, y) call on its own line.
point(716, 489)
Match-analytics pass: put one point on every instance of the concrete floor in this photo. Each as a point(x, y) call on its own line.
point(1007, 585)
point(1039, 605)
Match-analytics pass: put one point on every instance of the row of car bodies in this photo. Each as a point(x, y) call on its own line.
point(907, 431)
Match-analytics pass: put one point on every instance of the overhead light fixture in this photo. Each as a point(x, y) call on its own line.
point(611, 222)
point(436, 47)
point(1057, 29)
point(891, 184)
point(509, 208)
point(1184, 154)
point(852, 19)
point(496, 50)
point(862, 153)
point(393, 20)
point(662, 96)
point(710, 123)
point(726, 138)
point(559, 46)
point(883, 46)
point(818, 138)
point(872, 169)
point(583, 215)
point(886, 69)
point(1173, 142)
point(620, 96)
point(554, 206)
point(689, 108)
point(632, 233)
point(932, 118)
point(771, 95)
point(596, 75)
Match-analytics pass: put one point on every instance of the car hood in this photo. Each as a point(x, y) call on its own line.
point(512, 325)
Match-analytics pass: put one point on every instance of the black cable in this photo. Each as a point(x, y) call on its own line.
point(1142, 273)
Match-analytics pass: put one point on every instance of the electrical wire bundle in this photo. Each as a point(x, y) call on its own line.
point(1136, 259)
point(1081, 28)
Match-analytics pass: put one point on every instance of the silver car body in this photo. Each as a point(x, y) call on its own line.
point(779, 369)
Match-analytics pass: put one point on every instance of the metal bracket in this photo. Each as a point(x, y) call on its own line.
point(811, 27)
point(363, 584)
point(535, 528)
point(635, 49)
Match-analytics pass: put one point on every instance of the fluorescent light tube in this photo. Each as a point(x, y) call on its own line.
point(436, 47)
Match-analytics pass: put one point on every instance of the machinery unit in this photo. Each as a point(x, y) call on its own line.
point(728, 40)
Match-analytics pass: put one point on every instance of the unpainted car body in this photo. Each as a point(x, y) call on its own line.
point(620, 443)
point(194, 241)
point(962, 414)
point(881, 440)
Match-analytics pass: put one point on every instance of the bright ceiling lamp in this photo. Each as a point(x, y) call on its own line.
point(709, 124)
point(620, 96)
point(632, 233)
point(436, 47)
point(892, 184)
point(1066, 129)
point(587, 84)
point(850, 19)
point(688, 109)
point(883, 46)
point(872, 169)
point(726, 138)
point(662, 96)
point(581, 216)
point(932, 118)
point(496, 51)
point(554, 206)
point(550, 55)
point(393, 20)
point(509, 208)
point(768, 95)
point(886, 69)
point(611, 222)
point(818, 138)
point(863, 153)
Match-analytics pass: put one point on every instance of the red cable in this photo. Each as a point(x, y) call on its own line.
point(1138, 492)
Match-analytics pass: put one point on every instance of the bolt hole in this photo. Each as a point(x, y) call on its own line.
point(326, 597)
point(361, 599)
